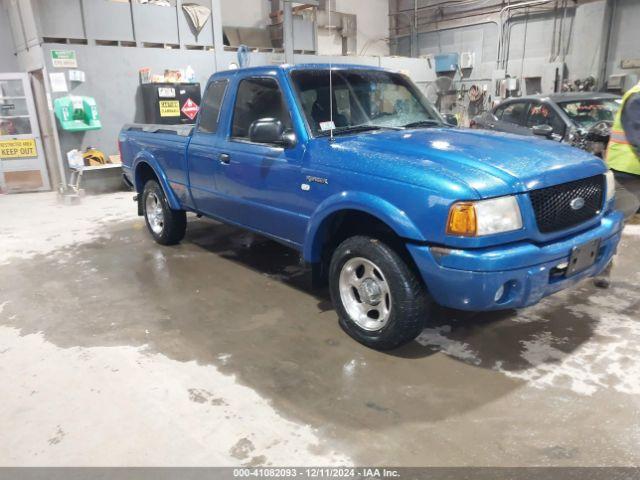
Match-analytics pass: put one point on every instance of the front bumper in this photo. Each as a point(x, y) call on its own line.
point(469, 279)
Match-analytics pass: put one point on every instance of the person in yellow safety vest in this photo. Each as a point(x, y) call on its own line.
point(623, 152)
point(623, 158)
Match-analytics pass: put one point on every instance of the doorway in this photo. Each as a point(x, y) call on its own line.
point(22, 159)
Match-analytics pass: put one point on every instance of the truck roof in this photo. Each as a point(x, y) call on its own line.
point(569, 96)
point(301, 66)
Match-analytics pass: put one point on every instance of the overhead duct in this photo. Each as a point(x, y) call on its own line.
point(303, 22)
point(252, 37)
point(344, 23)
point(324, 15)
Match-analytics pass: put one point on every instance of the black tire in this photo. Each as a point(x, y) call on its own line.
point(410, 304)
point(174, 222)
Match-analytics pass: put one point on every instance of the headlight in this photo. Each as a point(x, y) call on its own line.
point(484, 217)
point(611, 186)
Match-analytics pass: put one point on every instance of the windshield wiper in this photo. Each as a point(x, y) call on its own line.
point(354, 129)
point(424, 123)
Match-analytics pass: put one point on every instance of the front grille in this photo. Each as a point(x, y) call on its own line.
point(552, 205)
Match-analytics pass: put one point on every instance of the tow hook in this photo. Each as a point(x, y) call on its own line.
point(559, 270)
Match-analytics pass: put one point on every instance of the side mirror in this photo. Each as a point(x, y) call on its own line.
point(450, 118)
point(543, 130)
point(266, 130)
point(270, 131)
point(289, 139)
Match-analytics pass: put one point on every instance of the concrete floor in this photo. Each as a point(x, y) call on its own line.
point(117, 351)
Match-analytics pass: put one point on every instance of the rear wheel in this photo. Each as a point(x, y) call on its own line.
point(167, 226)
point(380, 301)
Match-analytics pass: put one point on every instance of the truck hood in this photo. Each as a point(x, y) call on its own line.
point(491, 163)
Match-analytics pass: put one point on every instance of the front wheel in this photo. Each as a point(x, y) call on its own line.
point(167, 226)
point(379, 299)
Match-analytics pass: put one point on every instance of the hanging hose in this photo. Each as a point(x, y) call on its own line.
point(243, 56)
point(475, 93)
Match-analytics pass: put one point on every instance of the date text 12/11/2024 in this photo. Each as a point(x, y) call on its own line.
point(316, 472)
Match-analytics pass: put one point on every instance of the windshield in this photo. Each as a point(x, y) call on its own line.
point(361, 98)
point(586, 113)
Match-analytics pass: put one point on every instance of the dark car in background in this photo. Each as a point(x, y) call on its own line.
point(582, 119)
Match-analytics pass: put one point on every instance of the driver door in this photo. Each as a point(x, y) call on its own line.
point(541, 114)
point(511, 118)
point(259, 184)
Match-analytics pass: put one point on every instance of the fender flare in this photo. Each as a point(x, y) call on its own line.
point(373, 205)
point(146, 158)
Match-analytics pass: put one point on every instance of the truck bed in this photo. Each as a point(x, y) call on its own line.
point(164, 147)
point(182, 130)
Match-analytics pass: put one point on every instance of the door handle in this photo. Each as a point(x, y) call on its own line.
point(225, 158)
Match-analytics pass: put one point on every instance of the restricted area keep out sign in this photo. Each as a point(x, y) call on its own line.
point(18, 148)
point(169, 108)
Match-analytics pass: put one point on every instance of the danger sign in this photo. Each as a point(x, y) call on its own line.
point(18, 149)
point(190, 108)
point(169, 108)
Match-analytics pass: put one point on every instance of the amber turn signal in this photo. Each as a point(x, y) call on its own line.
point(462, 220)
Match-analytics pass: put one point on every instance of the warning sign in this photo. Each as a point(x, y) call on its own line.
point(169, 108)
point(18, 148)
point(190, 108)
point(64, 59)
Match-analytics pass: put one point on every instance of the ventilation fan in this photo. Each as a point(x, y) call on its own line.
point(432, 93)
point(441, 86)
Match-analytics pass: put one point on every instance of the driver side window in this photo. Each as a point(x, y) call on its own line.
point(541, 114)
point(258, 98)
point(512, 113)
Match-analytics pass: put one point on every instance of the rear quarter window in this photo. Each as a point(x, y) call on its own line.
point(211, 105)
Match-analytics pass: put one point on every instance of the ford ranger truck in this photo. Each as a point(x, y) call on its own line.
point(396, 209)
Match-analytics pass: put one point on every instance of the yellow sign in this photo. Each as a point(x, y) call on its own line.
point(18, 148)
point(169, 108)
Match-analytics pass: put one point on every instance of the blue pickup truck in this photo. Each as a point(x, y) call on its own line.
point(394, 208)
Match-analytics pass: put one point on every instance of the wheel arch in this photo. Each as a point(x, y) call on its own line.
point(354, 210)
point(146, 168)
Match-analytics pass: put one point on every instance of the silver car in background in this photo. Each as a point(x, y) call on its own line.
point(582, 119)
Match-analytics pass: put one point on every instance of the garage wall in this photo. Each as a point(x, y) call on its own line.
point(373, 28)
point(373, 23)
point(24, 31)
point(145, 23)
point(112, 79)
point(531, 36)
point(245, 13)
point(111, 68)
point(531, 39)
point(625, 37)
point(8, 60)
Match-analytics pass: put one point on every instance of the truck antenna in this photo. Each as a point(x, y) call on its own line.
point(331, 125)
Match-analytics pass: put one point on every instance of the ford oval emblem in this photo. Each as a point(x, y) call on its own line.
point(577, 203)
